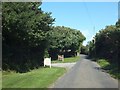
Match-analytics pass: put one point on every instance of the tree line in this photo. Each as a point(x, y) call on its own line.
point(28, 35)
point(65, 41)
point(106, 44)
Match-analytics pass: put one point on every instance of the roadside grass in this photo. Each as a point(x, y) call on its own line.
point(103, 63)
point(37, 78)
point(0, 80)
point(67, 60)
point(112, 69)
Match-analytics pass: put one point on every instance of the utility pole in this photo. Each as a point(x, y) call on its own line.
point(94, 41)
point(118, 10)
point(94, 28)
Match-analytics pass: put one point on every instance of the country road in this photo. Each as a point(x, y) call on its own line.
point(85, 74)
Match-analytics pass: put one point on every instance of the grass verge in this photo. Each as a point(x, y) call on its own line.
point(112, 69)
point(0, 80)
point(38, 78)
point(67, 60)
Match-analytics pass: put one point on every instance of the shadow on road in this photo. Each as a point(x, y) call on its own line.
point(97, 68)
point(83, 56)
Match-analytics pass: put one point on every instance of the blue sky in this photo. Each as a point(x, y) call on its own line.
point(88, 17)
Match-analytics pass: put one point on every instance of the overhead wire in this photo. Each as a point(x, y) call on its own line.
point(89, 15)
point(90, 18)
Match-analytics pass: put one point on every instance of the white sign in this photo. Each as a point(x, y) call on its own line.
point(47, 62)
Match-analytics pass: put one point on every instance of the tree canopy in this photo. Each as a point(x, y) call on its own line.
point(106, 43)
point(63, 39)
point(28, 36)
point(24, 32)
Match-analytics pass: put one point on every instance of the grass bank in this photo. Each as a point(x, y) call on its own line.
point(0, 80)
point(112, 69)
point(67, 60)
point(38, 78)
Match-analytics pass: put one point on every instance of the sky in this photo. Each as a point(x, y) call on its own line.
point(88, 17)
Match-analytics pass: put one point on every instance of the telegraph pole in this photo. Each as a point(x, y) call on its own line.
point(118, 10)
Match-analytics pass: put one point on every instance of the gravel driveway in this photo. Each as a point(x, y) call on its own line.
point(65, 65)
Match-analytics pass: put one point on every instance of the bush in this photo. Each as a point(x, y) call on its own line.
point(25, 29)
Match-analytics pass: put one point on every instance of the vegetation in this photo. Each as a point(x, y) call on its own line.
point(0, 79)
point(25, 29)
point(84, 50)
point(103, 63)
point(28, 37)
point(110, 68)
point(64, 40)
point(106, 45)
point(38, 78)
point(67, 60)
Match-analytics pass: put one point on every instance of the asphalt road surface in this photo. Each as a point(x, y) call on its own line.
point(85, 74)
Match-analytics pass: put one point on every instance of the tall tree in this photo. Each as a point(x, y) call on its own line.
point(107, 43)
point(25, 29)
point(63, 39)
